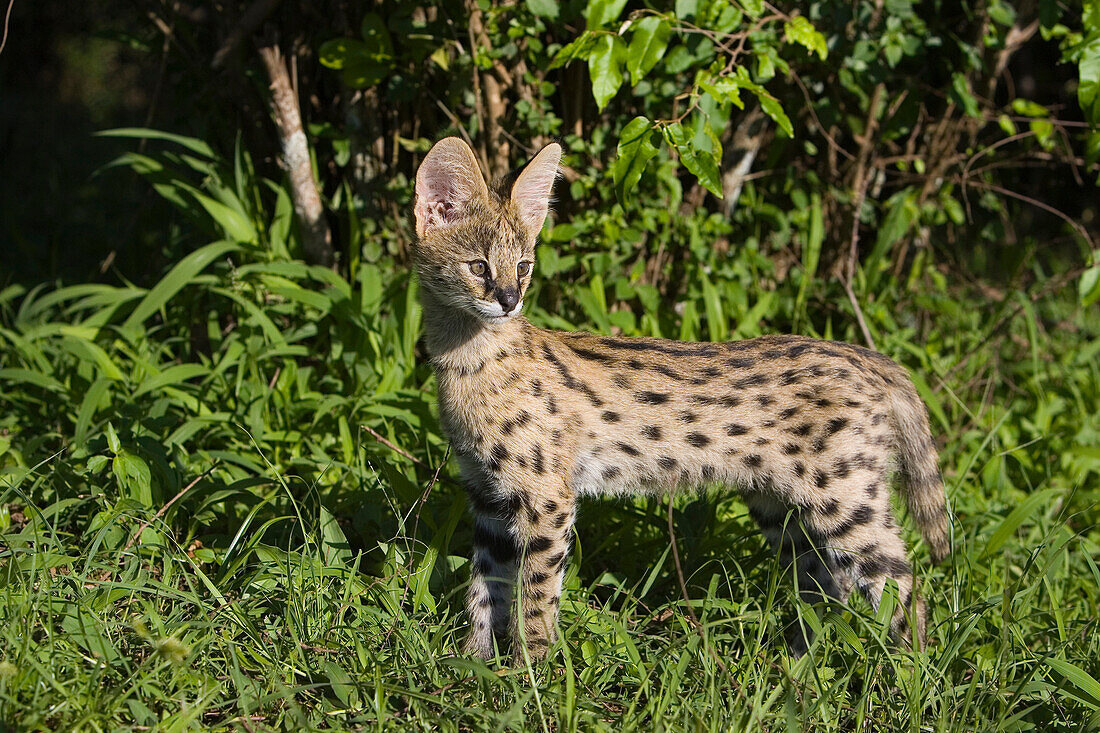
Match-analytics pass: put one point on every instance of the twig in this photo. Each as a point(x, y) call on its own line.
point(160, 513)
point(247, 25)
point(680, 571)
point(7, 17)
point(316, 238)
point(684, 590)
point(1077, 227)
point(862, 180)
point(401, 451)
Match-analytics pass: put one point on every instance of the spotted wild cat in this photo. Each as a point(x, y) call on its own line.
point(805, 429)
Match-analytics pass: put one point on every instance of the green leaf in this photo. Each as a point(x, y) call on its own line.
point(599, 13)
point(112, 439)
point(773, 109)
point(544, 8)
point(133, 474)
point(1088, 86)
point(88, 407)
point(581, 48)
point(961, 87)
point(801, 31)
point(1089, 287)
point(754, 8)
point(1017, 517)
point(724, 89)
point(176, 374)
point(236, 224)
point(702, 163)
point(1079, 678)
point(605, 68)
point(647, 45)
point(176, 279)
point(334, 544)
point(193, 144)
point(635, 150)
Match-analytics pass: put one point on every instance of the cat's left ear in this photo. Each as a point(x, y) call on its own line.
point(531, 191)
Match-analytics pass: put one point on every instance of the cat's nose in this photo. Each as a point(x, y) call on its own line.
point(507, 297)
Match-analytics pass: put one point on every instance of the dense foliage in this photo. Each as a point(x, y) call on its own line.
point(224, 496)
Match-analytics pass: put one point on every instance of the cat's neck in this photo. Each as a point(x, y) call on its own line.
point(460, 341)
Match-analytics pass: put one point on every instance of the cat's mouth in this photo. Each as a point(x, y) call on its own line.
point(494, 313)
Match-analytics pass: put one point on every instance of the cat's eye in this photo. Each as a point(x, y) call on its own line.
point(523, 268)
point(479, 268)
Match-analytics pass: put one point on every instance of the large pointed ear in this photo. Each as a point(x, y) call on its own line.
point(447, 182)
point(531, 191)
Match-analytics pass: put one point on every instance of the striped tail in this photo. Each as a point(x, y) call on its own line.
point(921, 481)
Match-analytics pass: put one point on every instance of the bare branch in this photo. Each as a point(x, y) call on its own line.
point(316, 238)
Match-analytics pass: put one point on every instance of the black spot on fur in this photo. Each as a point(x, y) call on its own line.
point(611, 472)
point(792, 449)
point(560, 520)
point(567, 379)
point(497, 455)
point(670, 373)
point(521, 418)
point(735, 429)
point(789, 377)
point(863, 515)
point(788, 412)
point(836, 425)
point(753, 380)
point(741, 362)
point(842, 469)
point(628, 449)
point(589, 355)
point(821, 479)
point(501, 548)
point(752, 460)
point(803, 429)
point(652, 398)
point(667, 462)
point(652, 432)
point(799, 468)
point(672, 348)
point(764, 400)
point(829, 508)
point(697, 439)
point(539, 543)
point(538, 465)
point(687, 416)
point(610, 416)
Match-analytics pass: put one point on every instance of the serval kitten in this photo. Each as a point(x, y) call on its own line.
point(806, 429)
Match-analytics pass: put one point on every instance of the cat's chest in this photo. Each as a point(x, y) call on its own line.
point(475, 404)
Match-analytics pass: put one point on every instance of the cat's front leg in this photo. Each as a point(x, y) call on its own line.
point(492, 576)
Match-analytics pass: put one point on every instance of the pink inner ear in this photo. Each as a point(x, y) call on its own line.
point(447, 182)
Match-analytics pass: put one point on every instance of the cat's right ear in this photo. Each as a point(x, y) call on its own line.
point(447, 182)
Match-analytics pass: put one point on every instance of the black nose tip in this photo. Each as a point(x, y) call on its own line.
point(507, 297)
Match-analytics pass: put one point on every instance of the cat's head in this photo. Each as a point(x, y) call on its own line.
point(476, 247)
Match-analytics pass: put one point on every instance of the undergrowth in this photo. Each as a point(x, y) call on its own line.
point(225, 504)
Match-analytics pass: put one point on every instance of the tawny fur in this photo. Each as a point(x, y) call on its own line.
point(806, 430)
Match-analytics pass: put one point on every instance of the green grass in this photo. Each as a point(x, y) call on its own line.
point(198, 530)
